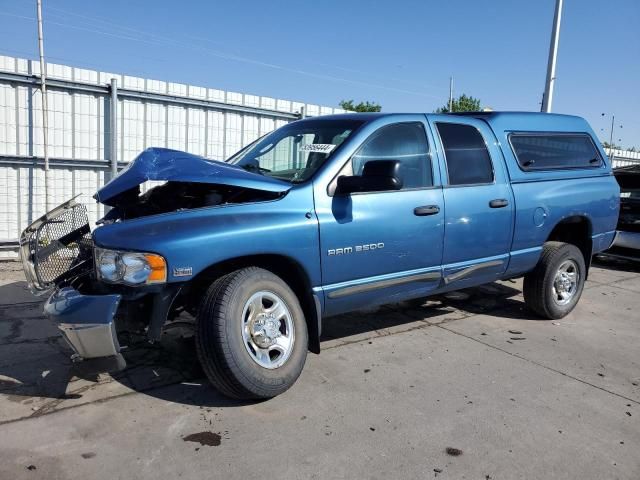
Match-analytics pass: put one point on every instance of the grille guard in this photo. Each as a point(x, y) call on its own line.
point(55, 245)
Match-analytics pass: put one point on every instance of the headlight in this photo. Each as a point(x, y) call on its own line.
point(131, 268)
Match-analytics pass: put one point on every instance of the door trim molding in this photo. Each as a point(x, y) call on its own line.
point(392, 282)
point(460, 274)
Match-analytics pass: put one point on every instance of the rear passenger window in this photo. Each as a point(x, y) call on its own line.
point(405, 142)
point(553, 151)
point(468, 160)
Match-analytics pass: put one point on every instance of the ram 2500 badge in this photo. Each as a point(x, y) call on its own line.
point(324, 216)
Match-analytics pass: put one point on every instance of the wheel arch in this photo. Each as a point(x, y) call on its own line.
point(576, 230)
point(287, 268)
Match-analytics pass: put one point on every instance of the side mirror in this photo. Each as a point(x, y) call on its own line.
point(377, 176)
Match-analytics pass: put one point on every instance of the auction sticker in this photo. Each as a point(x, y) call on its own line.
point(317, 147)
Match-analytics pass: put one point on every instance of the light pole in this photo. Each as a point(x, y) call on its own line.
point(547, 97)
point(613, 123)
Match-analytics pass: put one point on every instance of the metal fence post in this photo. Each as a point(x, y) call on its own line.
point(113, 136)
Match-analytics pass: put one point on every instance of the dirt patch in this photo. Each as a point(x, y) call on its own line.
point(454, 452)
point(209, 439)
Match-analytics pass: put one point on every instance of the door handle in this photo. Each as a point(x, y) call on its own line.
point(499, 203)
point(426, 210)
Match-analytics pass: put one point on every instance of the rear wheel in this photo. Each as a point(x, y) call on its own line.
point(251, 334)
point(554, 287)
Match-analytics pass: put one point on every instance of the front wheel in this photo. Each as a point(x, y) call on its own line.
point(554, 287)
point(251, 335)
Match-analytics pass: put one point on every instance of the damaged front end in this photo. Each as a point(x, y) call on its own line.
point(96, 288)
point(188, 182)
point(57, 254)
point(57, 248)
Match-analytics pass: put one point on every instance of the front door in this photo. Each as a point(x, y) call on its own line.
point(479, 205)
point(380, 247)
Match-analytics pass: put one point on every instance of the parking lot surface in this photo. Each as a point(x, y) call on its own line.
point(470, 385)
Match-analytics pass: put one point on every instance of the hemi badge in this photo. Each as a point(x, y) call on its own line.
point(182, 271)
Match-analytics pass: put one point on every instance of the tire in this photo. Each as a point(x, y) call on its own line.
point(229, 330)
point(545, 288)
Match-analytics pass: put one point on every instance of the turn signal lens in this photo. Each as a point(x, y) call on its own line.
point(158, 268)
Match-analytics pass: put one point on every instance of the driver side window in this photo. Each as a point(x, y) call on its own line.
point(404, 142)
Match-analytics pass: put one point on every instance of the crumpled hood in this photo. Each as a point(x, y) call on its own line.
point(177, 166)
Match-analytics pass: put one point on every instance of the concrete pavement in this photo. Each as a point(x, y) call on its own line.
point(506, 394)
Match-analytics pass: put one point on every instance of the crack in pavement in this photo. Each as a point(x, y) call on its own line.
point(50, 407)
point(97, 401)
point(30, 341)
point(618, 286)
point(533, 362)
point(7, 306)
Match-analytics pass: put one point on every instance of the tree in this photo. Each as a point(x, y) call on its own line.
point(360, 107)
point(612, 146)
point(463, 103)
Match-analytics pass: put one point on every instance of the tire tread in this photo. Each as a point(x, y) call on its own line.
point(216, 348)
point(534, 291)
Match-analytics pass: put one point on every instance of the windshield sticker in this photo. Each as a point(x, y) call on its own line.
point(317, 148)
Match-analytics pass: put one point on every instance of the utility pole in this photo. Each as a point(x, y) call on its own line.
point(451, 94)
point(547, 98)
point(45, 110)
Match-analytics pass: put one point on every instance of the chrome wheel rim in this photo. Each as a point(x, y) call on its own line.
point(267, 329)
point(565, 282)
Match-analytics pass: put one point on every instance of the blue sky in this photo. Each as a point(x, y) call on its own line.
point(399, 53)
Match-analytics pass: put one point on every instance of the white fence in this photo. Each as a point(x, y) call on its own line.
point(204, 121)
point(623, 158)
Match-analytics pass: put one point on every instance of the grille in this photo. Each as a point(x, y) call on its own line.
point(55, 244)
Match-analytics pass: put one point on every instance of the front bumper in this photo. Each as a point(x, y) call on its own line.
point(86, 321)
point(627, 240)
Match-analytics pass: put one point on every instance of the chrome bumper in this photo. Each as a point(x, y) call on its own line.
point(86, 321)
point(626, 240)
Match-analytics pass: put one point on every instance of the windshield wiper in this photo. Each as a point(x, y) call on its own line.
point(255, 167)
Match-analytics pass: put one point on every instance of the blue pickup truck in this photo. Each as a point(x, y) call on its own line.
point(323, 216)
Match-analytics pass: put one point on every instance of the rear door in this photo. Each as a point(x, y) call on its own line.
point(479, 203)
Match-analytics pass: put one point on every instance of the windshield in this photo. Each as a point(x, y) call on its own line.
point(296, 151)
